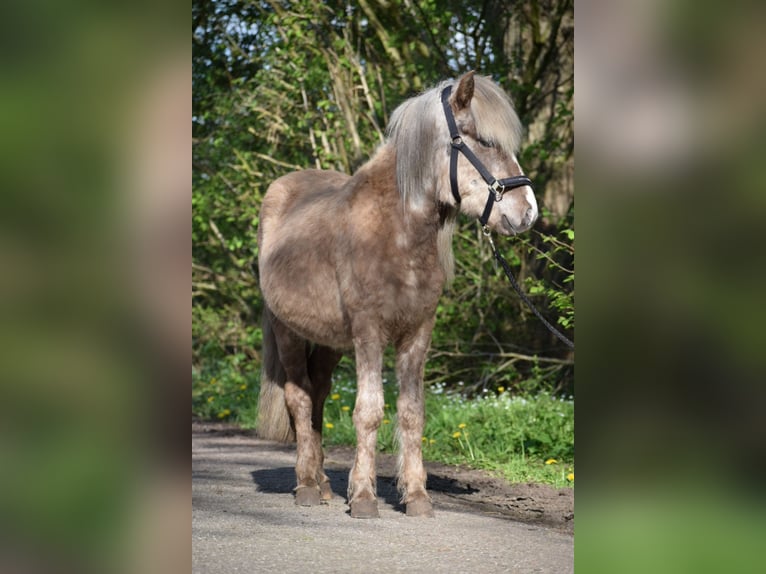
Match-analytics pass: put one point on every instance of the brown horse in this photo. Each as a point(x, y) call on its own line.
point(359, 262)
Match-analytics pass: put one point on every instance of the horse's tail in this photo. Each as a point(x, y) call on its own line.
point(273, 417)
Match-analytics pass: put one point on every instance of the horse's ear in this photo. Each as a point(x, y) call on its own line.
point(464, 91)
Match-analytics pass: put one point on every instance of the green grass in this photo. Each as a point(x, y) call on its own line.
point(518, 437)
point(226, 390)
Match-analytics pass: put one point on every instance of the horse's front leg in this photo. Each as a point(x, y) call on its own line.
point(368, 413)
point(410, 361)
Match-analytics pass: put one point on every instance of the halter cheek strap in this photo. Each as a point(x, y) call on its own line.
point(457, 142)
point(496, 186)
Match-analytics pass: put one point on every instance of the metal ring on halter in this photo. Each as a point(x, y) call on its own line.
point(498, 188)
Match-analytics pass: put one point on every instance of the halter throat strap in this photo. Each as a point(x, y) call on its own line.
point(496, 186)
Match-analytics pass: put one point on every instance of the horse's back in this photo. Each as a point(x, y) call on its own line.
point(300, 214)
point(298, 188)
point(300, 198)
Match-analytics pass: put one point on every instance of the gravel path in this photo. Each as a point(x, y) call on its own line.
point(244, 520)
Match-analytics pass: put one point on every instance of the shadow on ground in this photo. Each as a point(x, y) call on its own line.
point(452, 487)
point(282, 481)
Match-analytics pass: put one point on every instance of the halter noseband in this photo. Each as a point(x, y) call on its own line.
point(496, 187)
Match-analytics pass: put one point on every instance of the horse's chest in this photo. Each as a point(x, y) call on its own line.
point(399, 289)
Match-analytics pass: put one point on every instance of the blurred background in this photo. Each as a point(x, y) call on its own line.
point(95, 178)
point(670, 180)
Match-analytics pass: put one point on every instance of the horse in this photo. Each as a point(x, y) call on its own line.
point(355, 263)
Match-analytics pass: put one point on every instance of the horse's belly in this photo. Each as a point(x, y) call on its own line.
point(309, 303)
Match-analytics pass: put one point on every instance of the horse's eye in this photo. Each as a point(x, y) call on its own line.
point(486, 143)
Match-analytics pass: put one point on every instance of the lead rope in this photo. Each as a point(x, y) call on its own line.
point(512, 279)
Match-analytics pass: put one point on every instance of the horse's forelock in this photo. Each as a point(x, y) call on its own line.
point(494, 116)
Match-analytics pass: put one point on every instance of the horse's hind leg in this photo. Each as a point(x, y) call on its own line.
point(411, 353)
point(294, 358)
point(322, 362)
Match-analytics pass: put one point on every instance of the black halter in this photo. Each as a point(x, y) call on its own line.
point(497, 187)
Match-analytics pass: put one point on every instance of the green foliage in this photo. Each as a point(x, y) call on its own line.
point(281, 86)
point(558, 285)
point(513, 434)
point(226, 389)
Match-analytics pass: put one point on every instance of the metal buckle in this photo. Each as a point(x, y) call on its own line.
point(498, 188)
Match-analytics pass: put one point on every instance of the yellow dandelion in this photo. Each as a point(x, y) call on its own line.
point(424, 439)
point(551, 461)
point(224, 413)
point(570, 477)
point(462, 425)
point(242, 387)
point(431, 440)
point(455, 435)
point(500, 389)
point(386, 421)
point(335, 396)
point(210, 399)
point(345, 408)
point(329, 426)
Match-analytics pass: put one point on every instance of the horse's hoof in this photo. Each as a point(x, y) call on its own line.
point(307, 496)
point(420, 507)
point(364, 508)
point(325, 491)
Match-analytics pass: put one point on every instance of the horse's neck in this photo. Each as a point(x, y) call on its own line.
point(378, 175)
point(431, 224)
point(378, 170)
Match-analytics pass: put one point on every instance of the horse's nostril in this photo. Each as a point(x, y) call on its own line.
point(528, 215)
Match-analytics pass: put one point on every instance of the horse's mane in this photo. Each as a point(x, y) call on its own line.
point(419, 133)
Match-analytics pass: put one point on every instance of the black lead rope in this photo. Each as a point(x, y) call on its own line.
point(512, 279)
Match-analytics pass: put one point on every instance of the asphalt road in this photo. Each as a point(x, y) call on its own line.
point(244, 520)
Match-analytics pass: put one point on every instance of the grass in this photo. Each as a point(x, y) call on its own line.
point(526, 438)
point(226, 390)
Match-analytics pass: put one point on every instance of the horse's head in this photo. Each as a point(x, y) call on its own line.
point(490, 185)
point(467, 127)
